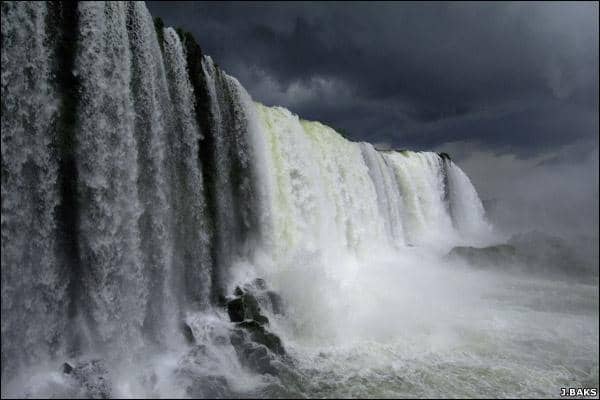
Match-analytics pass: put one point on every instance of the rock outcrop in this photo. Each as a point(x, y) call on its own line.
point(257, 347)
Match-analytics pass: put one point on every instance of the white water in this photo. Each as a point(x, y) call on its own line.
point(33, 282)
point(352, 238)
point(194, 235)
point(115, 285)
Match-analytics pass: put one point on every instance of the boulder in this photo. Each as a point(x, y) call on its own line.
point(235, 309)
point(67, 368)
point(245, 307)
point(256, 347)
point(259, 334)
point(257, 358)
point(252, 354)
point(186, 330)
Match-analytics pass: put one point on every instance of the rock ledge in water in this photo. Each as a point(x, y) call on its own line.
point(256, 347)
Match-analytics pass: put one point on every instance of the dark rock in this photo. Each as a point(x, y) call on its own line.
point(444, 156)
point(534, 253)
point(187, 332)
point(235, 309)
point(251, 307)
point(260, 335)
point(67, 368)
point(256, 347)
point(485, 256)
point(257, 358)
point(261, 319)
point(253, 355)
point(245, 307)
point(221, 300)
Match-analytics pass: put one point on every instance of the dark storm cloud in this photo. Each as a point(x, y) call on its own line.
point(517, 77)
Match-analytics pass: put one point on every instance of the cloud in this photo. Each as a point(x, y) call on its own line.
point(507, 75)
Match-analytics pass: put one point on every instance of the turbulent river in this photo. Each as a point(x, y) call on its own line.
point(144, 194)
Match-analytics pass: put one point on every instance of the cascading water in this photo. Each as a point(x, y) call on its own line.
point(114, 280)
point(142, 185)
point(33, 281)
point(193, 231)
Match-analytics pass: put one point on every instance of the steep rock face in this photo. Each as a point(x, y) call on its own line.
point(257, 347)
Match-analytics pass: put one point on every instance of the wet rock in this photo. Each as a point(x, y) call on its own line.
point(245, 307)
point(67, 368)
point(260, 335)
point(251, 354)
point(257, 358)
point(235, 309)
point(261, 319)
point(186, 330)
point(256, 347)
point(251, 307)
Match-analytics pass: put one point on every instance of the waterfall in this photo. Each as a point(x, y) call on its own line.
point(140, 182)
point(235, 181)
point(421, 180)
point(467, 209)
point(33, 280)
point(114, 279)
point(389, 197)
point(194, 232)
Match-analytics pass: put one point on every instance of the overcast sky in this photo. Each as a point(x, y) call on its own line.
point(485, 81)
